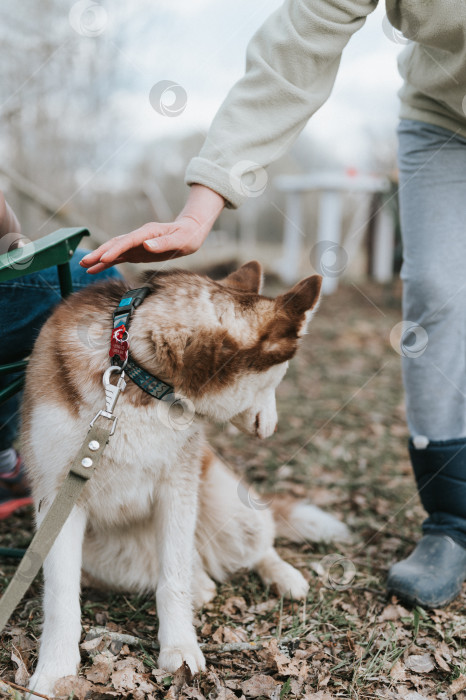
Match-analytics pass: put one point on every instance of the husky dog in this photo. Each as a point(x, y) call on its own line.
point(162, 513)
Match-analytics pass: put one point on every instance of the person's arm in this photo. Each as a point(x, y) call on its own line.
point(292, 63)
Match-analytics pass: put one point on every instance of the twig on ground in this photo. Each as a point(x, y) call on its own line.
point(130, 640)
point(7, 686)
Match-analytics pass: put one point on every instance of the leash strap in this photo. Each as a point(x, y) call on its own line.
point(81, 470)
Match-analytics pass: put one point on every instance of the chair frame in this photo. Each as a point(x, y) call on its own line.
point(57, 248)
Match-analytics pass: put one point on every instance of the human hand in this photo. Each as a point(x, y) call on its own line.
point(155, 242)
point(152, 242)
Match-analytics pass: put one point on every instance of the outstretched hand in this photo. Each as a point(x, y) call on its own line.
point(151, 243)
point(155, 242)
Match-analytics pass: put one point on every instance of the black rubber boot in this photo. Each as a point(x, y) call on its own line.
point(433, 573)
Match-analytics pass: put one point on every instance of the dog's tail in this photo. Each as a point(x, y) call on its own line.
point(298, 520)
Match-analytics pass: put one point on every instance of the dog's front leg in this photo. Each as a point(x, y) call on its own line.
point(59, 645)
point(176, 522)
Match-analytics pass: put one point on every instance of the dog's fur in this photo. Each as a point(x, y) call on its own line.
point(162, 513)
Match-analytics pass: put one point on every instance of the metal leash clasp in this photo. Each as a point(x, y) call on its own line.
point(112, 392)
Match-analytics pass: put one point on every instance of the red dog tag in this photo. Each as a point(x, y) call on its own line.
point(119, 343)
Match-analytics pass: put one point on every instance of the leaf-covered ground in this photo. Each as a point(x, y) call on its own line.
point(341, 442)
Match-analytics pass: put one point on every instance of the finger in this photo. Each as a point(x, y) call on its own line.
point(108, 252)
point(125, 243)
point(95, 255)
point(100, 267)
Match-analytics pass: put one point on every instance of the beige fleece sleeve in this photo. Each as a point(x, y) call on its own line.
point(291, 65)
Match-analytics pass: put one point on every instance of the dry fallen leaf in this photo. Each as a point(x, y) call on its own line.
point(195, 694)
point(420, 663)
point(259, 685)
point(235, 634)
point(440, 660)
point(101, 669)
point(91, 644)
point(130, 662)
point(21, 673)
point(125, 679)
point(457, 685)
point(398, 672)
point(285, 666)
point(228, 635)
point(74, 686)
point(323, 681)
point(181, 677)
point(234, 605)
point(392, 612)
point(101, 618)
point(225, 694)
point(144, 687)
point(218, 635)
point(265, 607)
point(159, 674)
point(128, 680)
point(296, 686)
point(20, 640)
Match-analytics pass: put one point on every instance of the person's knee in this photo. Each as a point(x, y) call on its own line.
point(429, 293)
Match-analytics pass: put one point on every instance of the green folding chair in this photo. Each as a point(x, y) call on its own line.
point(55, 249)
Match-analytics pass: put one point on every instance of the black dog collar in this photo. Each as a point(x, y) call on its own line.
point(119, 346)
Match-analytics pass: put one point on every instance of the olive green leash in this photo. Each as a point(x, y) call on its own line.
point(81, 470)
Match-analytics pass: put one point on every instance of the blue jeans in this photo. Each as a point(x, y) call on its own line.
point(25, 305)
point(432, 165)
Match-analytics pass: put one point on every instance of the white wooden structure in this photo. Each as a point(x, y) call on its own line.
point(332, 187)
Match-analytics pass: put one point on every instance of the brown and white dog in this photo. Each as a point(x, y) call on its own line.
point(162, 514)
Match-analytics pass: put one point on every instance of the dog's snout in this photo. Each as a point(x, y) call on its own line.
point(263, 427)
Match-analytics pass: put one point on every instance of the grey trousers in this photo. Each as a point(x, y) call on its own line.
point(432, 164)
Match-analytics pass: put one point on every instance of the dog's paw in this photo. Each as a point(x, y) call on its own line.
point(43, 683)
point(316, 525)
point(333, 530)
point(290, 582)
point(171, 658)
point(47, 674)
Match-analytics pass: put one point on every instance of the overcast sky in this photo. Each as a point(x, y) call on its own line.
point(200, 44)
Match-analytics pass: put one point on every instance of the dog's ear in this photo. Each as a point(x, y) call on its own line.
point(292, 313)
point(301, 301)
point(248, 278)
point(302, 297)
